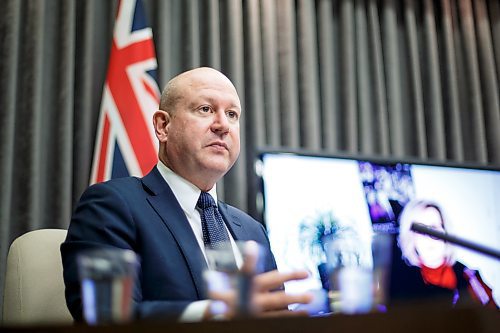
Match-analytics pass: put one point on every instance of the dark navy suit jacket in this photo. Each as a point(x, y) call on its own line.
point(142, 214)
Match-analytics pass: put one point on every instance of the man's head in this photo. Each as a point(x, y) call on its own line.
point(198, 126)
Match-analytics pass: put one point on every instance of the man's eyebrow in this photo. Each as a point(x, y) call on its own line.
point(201, 99)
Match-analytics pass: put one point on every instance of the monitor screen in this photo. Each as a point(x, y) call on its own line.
point(306, 197)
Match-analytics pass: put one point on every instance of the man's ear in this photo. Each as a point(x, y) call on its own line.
point(161, 120)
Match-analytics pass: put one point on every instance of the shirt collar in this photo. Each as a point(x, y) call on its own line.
point(186, 193)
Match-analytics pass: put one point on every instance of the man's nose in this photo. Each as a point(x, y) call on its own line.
point(220, 123)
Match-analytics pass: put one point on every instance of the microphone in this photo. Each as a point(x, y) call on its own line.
point(425, 230)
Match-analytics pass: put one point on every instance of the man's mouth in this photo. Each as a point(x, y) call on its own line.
point(219, 144)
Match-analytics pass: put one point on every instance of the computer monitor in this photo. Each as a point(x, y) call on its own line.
point(305, 196)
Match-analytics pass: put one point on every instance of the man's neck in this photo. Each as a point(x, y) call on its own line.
point(205, 187)
point(203, 183)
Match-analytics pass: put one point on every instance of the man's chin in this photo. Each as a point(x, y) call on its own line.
point(217, 167)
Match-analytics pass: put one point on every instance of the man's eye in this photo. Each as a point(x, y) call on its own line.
point(232, 115)
point(205, 109)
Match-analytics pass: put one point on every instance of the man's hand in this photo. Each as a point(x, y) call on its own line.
point(267, 299)
point(272, 302)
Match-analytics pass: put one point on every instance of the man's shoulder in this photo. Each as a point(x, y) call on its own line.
point(130, 183)
point(125, 187)
point(119, 184)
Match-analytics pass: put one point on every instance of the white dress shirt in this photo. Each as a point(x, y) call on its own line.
point(187, 195)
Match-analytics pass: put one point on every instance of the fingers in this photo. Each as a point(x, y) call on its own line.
point(275, 301)
point(265, 301)
point(274, 279)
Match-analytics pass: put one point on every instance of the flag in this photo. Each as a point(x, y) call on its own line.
point(125, 142)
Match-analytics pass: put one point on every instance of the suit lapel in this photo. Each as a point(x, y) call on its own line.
point(166, 205)
point(233, 223)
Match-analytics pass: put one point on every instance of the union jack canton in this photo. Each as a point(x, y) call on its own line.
point(125, 142)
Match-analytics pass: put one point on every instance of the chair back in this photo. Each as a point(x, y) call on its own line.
point(34, 286)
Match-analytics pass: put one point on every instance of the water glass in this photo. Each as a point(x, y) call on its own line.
point(107, 279)
point(359, 271)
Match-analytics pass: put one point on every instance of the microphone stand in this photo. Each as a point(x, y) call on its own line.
point(425, 230)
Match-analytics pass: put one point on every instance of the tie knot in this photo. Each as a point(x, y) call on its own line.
point(205, 201)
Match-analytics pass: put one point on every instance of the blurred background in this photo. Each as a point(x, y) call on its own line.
point(405, 79)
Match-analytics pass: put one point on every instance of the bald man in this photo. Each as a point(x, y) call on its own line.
point(197, 126)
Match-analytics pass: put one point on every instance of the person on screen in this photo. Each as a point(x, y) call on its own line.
point(439, 269)
point(198, 129)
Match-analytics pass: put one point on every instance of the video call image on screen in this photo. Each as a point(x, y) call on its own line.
point(306, 197)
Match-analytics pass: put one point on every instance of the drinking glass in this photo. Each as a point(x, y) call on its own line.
point(107, 279)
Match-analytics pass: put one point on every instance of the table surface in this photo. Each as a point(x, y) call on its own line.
point(406, 319)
